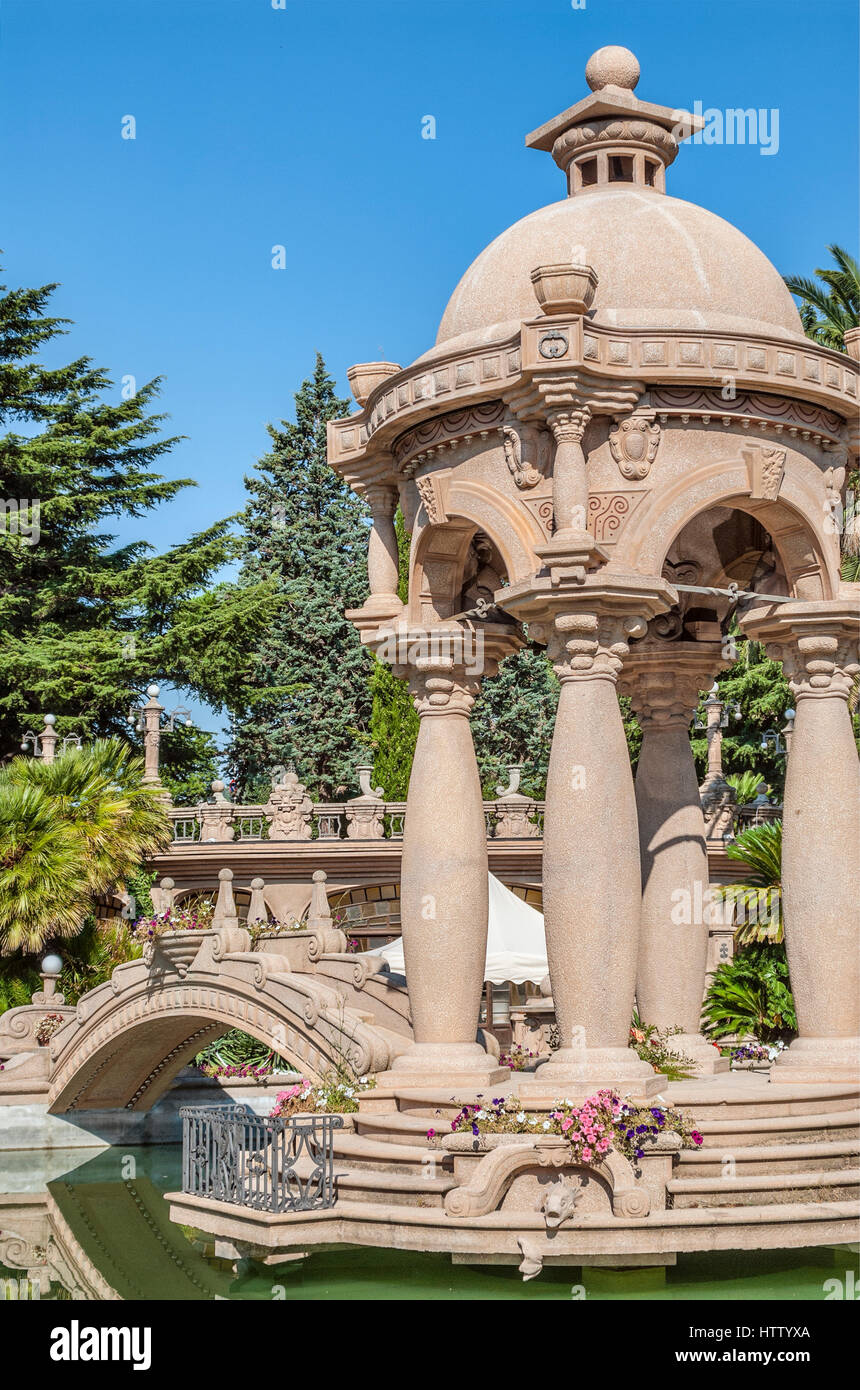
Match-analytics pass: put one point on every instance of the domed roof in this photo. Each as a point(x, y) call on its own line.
point(661, 263)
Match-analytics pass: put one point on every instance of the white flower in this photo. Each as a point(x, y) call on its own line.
point(521, 1114)
point(363, 1080)
point(545, 1124)
point(532, 1120)
point(481, 1115)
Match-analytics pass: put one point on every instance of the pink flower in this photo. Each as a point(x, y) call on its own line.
point(586, 1154)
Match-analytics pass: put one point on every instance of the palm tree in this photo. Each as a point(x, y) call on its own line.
point(828, 311)
point(757, 901)
point(746, 785)
point(70, 830)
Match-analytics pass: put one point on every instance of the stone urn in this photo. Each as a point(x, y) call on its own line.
point(852, 343)
point(173, 950)
point(364, 377)
point(564, 289)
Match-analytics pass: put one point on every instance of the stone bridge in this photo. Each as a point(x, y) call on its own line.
point(299, 993)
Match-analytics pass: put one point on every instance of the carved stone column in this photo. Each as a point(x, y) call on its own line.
point(382, 557)
point(444, 873)
point(663, 682)
point(817, 643)
point(591, 875)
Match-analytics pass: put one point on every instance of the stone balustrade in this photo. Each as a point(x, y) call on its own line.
point(290, 815)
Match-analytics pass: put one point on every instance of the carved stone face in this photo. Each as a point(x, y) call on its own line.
point(559, 1201)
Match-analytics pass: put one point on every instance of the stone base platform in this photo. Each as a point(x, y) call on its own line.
point(779, 1168)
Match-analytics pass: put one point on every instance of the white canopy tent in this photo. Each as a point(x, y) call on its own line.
point(516, 945)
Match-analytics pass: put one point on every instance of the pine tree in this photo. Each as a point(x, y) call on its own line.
point(308, 699)
point(83, 625)
point(513, 719)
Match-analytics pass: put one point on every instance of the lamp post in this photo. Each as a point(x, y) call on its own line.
point(146, 719)
point(49, 969)
point(44, 744)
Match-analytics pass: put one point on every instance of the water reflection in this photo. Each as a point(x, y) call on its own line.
point(97, 1227)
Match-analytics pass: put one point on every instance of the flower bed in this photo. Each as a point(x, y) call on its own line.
point(519, 1058)
point(175, 919)
point(756, 1054)
point(336, 1096)
point(602, 1123)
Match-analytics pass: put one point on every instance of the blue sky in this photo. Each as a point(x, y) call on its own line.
point(301, 127)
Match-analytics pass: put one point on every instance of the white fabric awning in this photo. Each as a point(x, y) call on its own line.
point(516, 945)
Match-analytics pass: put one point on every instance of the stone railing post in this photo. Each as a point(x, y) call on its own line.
point(215, 817)
point(162, 895)
point(444, 892)
point(48, 739)
point(817, 643)
point(364, 813)
point(320, 920)
point(663, 682)
point(513, 811)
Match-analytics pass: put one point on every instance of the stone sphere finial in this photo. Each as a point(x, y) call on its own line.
point(225, 875)
point(612, 66)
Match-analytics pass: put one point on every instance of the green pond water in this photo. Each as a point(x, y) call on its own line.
point(106, 1219)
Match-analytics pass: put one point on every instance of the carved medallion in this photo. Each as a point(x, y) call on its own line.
point(553, 344)
point(634, 443)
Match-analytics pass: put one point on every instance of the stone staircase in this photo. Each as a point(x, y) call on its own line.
point(763, 1145)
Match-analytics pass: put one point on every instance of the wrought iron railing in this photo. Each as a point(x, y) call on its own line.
point(277, 1165)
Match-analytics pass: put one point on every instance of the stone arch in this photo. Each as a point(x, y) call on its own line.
point(440, 547)
point(795, 520)
point(131, 1036)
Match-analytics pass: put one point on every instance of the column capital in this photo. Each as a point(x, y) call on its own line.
point(382, 499)
point(817, 642)
point(444, 663)
point(587, 625)
point(569, 424)
point(664, 680)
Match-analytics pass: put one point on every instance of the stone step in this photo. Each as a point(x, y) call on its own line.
point(740, 1131)
point(765, 1189)
point(395, 1189)
point(392, 1127)
point(771, 1158)
point(747, 1097)
point(358, 1151)
point(725, 1098)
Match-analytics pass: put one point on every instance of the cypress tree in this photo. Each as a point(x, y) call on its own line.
point(393, 718)
point(308, 698)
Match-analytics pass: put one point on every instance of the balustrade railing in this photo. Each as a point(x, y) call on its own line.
point(506, 819)
point(276, 1165)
